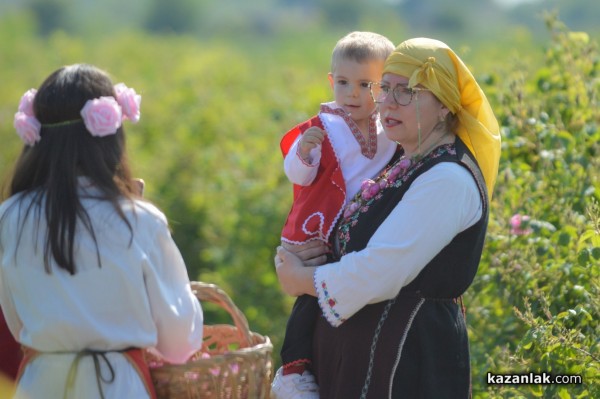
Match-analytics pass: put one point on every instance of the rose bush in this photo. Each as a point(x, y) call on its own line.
point(535, 303)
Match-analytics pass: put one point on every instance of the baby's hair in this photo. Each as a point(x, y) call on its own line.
point(360, 47)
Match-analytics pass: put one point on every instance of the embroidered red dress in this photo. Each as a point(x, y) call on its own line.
point(345, 159)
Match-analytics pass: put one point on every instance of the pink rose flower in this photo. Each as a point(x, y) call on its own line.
point(28, 128)
point(129, 101)
point(519, 225)
point(369, 189)
point(102, 116)
point(366, 184)
point(404, 163)
point(374, 189)
point(366, 194)
point(394, 173)
point(26, 103)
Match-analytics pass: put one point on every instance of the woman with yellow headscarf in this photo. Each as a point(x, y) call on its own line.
point(409, 245)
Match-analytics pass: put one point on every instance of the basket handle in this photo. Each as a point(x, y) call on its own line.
point(214, 294)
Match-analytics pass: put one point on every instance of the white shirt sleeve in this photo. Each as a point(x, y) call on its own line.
point(299, 171)
point(139, 297)
point(440, 203)
point(176, 311)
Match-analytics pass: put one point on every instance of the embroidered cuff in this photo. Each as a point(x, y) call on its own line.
point(327, 303)
point(308, 163)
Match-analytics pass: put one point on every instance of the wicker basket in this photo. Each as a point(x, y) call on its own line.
point(234, 363)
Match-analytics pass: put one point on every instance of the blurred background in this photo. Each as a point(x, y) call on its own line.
point(209, 19)
point(222, 81)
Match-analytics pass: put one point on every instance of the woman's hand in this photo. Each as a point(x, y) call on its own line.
point(295, 278)
point(312, 253)
point(138, 186)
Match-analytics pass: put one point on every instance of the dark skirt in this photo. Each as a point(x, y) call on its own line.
point(421, 352)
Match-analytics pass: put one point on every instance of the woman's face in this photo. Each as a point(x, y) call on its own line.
point(401, 122)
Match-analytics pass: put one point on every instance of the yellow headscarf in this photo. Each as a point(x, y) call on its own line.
point(434, 65)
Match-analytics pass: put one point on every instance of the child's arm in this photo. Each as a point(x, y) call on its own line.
point(302, 161)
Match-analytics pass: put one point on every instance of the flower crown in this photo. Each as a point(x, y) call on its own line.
point(102, 116)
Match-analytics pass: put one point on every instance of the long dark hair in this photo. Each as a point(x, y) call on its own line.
point(49, 170)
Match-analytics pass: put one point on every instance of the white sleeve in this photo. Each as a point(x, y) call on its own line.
point(176, 311)
point(7, 238)
point(297, 170)
point(440, 203)
point(15, 325)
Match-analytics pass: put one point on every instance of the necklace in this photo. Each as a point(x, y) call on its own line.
point(420, 154)
point(370, 188)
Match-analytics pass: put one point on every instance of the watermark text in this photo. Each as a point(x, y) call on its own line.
point(534, 378)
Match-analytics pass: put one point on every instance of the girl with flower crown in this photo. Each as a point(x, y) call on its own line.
point(410, 241)
point(89, 273)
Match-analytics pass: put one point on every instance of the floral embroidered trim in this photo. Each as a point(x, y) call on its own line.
point(372, 190)
point(305, 163)
point(367, 148)
point(329, 312)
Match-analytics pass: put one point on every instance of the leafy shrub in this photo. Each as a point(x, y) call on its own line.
point(212, 116)
point(534, 306)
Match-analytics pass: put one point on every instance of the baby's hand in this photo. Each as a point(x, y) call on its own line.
point(311, 138)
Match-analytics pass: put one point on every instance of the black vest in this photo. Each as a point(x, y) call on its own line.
point(421, 350)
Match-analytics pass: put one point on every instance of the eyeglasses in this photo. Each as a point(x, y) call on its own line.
point(401, 94)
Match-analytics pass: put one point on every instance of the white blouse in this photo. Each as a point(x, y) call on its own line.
point(440, 203)
point(139, 297)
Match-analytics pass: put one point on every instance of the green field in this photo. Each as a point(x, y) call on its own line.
point(214, 110)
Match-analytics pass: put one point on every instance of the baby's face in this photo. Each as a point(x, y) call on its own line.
point(350, 82)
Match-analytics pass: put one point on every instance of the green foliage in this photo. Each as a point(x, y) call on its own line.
point(213, 113)
point(534, 306)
